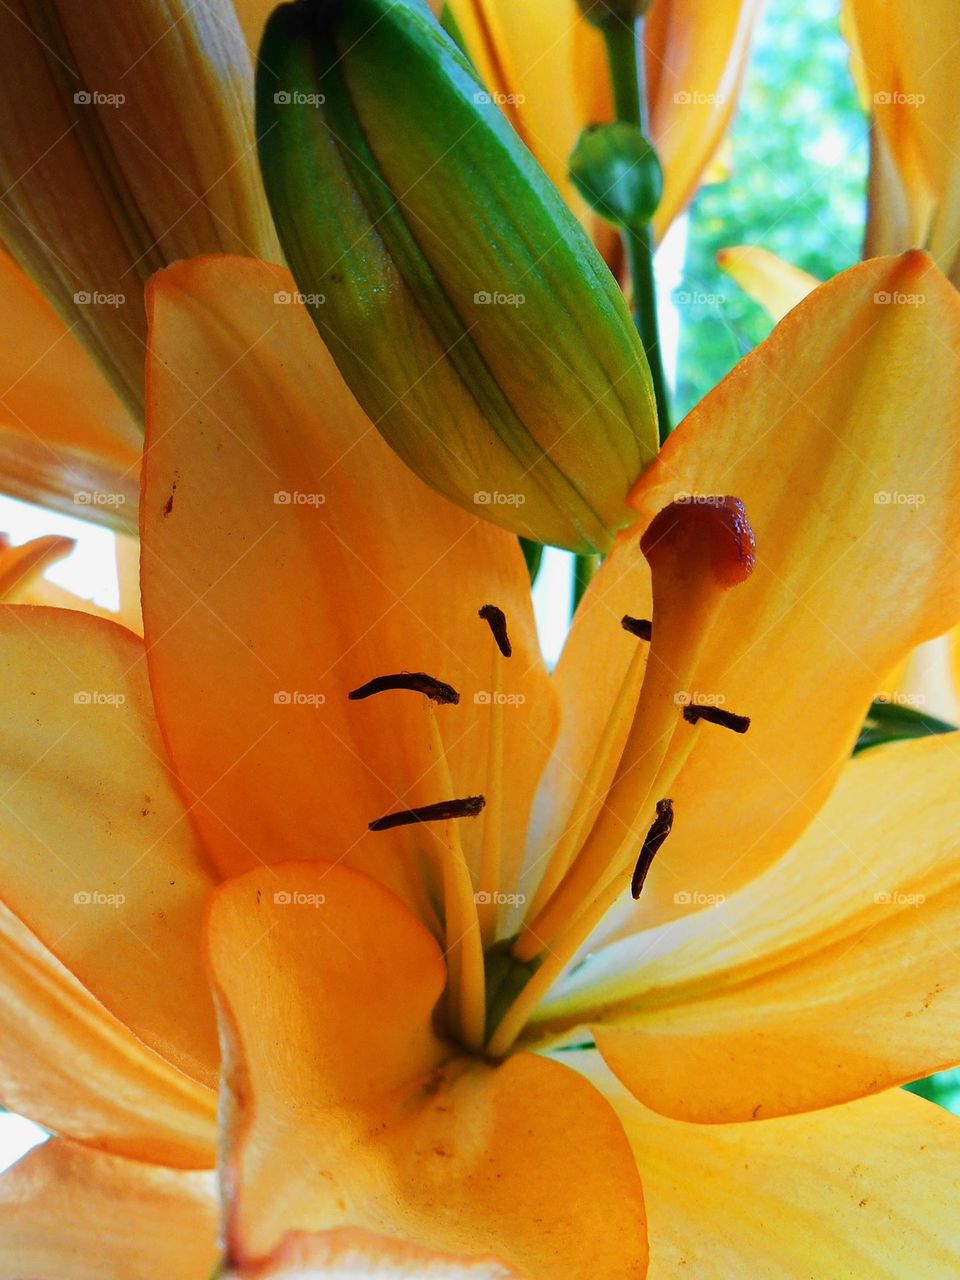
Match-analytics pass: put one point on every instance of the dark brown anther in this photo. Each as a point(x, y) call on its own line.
point(642, 628)
point(659, 830)
point(469, 807)
point(415, 681)
point(496, 620)
point(716, 715)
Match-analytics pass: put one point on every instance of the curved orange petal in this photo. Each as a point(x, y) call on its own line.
point(867, 1189)
point(70, 1213)
point(64, 434)
point(345, 1253)
point(328, 564)
point(773, 284)
point(70, 1065)
point(832, 976)
point(842, 444)
point(910, 69)
point(696, 55)
point(368, 1119)
point(98, 857)
point(19, 565)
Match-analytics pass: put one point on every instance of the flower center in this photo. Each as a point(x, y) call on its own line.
point(696, 552)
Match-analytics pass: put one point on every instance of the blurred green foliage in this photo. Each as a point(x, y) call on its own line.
point(796, 186)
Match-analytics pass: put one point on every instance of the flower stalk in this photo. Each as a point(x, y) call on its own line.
point(622, 40)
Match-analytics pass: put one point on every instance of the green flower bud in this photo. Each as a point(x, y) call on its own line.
point(617, 172)
point(465, 307)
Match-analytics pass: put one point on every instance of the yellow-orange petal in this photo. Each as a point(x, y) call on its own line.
point(696, 55)
point(64, 434)
point(126, 550)
point(327, 564)
point(867, 1189)
point(98, 855)
point(772, 283)
point(21, 565)
point(70, 1213)
point(832, 976)
point(347, 1252)
point(70, 1065)
point(367, 1119)
point(898, 205)
point(843, 448)
point(910, 69)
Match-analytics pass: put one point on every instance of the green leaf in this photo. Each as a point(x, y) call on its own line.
point(894, 722)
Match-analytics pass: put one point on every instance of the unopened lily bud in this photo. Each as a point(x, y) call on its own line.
point(127, 143)
point(465, 307)
point(617, 172)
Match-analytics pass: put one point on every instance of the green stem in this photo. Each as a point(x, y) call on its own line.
point(626, 76)
point(584, 567)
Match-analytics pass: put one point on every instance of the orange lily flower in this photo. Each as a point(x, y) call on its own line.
point(403, 1003)
point(546, 65)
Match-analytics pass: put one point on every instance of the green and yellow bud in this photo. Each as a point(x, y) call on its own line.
point(127, 143)
point(474, 321)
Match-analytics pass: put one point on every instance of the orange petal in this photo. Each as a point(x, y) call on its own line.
point(832, 976)
point(773, 284)
point(868, 1189)
point(341, 1254)
point(898, 208)
point(74, 1068)
point(70, 1213)
point(21, 565)
point(843, 449)
point(328, 564)
point(368, 1119)
point(99, 859)
point(910, 68)
point(696, 55)
point(66, 440)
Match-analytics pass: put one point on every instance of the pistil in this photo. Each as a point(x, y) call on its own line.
point(697, 551)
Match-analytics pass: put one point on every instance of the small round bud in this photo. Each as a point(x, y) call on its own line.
point(617, 172)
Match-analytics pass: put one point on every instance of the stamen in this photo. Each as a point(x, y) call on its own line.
point(716, 715)
point(469, 807)
point(496, 620)
point(659, 830)
point(415, 681)
point(642, 628)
